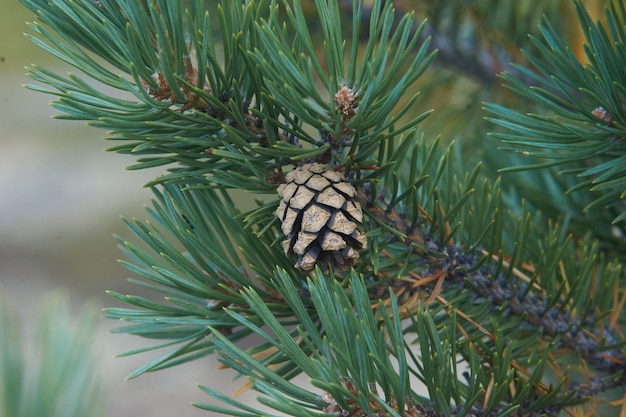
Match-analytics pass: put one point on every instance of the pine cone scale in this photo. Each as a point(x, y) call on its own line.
point(330, 197)
point(314, 218)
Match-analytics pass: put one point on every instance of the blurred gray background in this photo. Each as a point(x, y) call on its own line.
point(61, 198)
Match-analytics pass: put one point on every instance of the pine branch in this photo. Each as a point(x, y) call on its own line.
point(329, 133)
point(466, 270)
point(232, 128)
point(452, 265)
point(581, 127)
point(345, 393)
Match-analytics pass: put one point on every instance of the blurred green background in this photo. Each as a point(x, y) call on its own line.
point(61, 198)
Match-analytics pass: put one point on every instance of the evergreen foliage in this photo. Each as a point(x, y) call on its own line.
point(465, 302)
point(580, 125)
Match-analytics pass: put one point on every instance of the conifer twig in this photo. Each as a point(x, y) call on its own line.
point(337, 119)
point(511, 298)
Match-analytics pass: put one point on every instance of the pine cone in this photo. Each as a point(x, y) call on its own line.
point(320, 218)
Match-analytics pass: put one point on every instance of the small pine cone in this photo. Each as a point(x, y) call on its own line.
point(320, 218)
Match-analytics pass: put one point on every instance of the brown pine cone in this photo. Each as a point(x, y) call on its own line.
point(320, 216)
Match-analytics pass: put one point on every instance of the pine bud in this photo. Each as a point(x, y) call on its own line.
point(602, 113)
point(320, 217)
point(346, 102)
